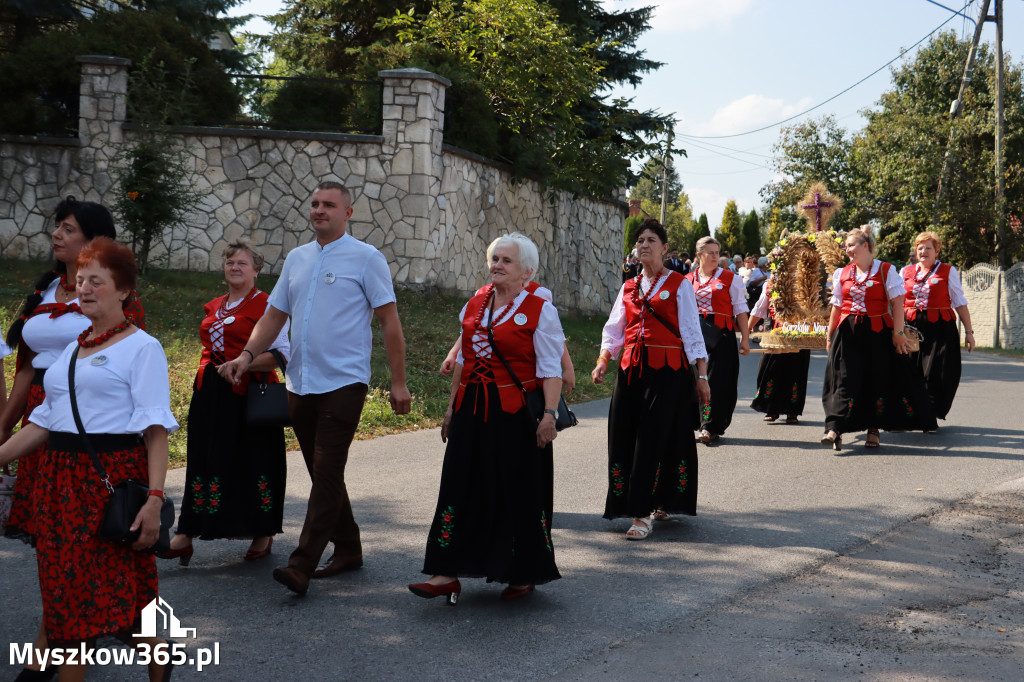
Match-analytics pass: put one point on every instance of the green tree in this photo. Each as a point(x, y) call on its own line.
point(775, 227)
point(818, 150)
point(751, 234)
point(700, 229)
point(901, 151)
point(678, 218)
point(649, 182)
point(729, 234)
point(629, 234)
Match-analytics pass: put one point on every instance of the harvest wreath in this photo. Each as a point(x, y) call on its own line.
point(802, 265)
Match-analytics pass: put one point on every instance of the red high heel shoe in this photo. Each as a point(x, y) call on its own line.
point(254, 554)
point(450, 590)
point(516, 592)
point(184, 555)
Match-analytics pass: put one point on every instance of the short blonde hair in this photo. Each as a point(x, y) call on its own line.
point(928, 236)
point(863, 234)
point(704, 242)
point(243, 244)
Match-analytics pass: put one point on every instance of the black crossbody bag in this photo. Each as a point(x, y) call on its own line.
point(266, 403)
point(534, 399)
point(126, 498)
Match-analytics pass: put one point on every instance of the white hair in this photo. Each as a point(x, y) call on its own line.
point(529, 257)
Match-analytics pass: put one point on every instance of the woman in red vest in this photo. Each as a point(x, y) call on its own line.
point(494, 507)
point(722, 304)
point(868, 383)
point(933, 293)
point(235, 478)
point(652, 459)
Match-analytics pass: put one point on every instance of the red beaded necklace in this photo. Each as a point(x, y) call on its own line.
point(223, 309)
point(110, 333)
point(495, 318)
point(636, 290)
point(64, 283)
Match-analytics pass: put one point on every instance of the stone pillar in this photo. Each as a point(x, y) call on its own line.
point(102, 111)
point(413, 130)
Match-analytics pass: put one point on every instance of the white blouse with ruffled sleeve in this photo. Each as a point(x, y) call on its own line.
point(123, 388)
point(893, 283)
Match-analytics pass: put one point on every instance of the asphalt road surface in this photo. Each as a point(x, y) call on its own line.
point(902, 563)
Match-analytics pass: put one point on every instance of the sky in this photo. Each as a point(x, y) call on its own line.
point(733, 66)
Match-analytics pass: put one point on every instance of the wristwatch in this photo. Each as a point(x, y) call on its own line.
point(553, 413)
point(702, 376)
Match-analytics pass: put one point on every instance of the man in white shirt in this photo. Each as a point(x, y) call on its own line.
point(331, 288)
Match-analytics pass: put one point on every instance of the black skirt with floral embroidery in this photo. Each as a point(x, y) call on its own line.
point(652, 457)
point(234, 483)
point(782, 383)
point(494, 507)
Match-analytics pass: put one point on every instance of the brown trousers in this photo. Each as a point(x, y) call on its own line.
point(325, 423)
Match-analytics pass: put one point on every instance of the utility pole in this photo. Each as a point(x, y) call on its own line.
point(665, 161)
point(957, 106)
point(1000, 147)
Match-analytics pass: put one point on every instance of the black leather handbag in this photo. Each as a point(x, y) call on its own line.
point(127, 497)
point(535, 399)
point(266, 404)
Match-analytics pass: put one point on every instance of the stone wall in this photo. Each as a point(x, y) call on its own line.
point(431, 209)
point(995, 298)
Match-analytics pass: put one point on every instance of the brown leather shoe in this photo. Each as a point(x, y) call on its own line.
point(293, 579)
point(337, 564)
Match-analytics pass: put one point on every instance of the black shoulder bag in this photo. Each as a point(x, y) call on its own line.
point(534, 399)
point(266, 404)
point(126, 498)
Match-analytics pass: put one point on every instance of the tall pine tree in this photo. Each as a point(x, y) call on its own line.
point(751, 234)
point(729, 234)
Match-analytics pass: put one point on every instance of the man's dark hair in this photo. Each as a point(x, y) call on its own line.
point(331, 184)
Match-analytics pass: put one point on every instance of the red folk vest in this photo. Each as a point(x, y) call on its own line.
point(236, 335)
point(713, 297)
point(644, 331)
point(931, 294)
point(868, 298)
point(514, 337)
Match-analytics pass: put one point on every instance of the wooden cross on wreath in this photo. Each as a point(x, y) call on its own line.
point(818, 207)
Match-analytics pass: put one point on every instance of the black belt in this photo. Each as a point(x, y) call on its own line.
point(63, 441)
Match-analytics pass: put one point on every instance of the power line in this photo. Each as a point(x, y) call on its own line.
point(730, 156)
point(839, 94)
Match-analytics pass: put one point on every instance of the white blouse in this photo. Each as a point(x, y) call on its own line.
point(548, 339)
point(5, 350)
point(893, 283)
point(121, 389)
point(737, 292)
point(956, 289)
point(48, 337)
point(613, 337)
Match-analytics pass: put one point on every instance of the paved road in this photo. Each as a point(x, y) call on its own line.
point(775, 509)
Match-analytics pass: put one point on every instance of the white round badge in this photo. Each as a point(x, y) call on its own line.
point(520, 319)
point(663, 295)
point(871, 283)
point(718, 286)
point(935, 280)
point(229, 319)
point(98, 360)
point(329, 278)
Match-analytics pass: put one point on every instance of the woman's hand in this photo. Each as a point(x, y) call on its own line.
point(449, 364)
point(969, 341)
point(703, 391)
point(446, 425)
point(745, 347)
point(546, 431)
point(901, 343)
point(148, 519)
point(569, 380)
point(598, 374)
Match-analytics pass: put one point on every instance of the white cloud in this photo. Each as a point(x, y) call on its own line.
point(749, 112)
point(707, 201)
point(685, 15)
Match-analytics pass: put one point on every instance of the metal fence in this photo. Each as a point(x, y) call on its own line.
point(996, 300)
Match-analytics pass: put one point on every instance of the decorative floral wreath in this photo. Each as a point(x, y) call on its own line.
point(803, 263)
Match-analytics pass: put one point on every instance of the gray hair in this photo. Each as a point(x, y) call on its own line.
point(704, 242)
point(243, 244)
point(762, 261)
point(529, 257)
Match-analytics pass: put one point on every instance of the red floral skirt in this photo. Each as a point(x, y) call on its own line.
point(90, 587)
point(21, 525)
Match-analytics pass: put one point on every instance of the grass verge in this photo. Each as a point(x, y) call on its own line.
point(174, 307)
